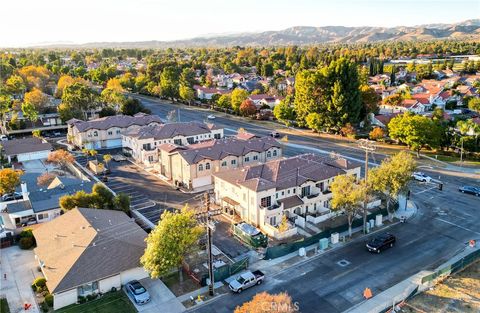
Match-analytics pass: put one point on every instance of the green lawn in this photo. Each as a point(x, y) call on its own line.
point(4, 306)
point(116, 302)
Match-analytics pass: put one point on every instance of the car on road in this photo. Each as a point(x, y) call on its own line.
point(12, 196)
point(139, 294)
point(381, 242)
point(211, 117)
point(3, 137)
point(421, 177)
point(470, 190)
point(275, 134)
point(246, 280)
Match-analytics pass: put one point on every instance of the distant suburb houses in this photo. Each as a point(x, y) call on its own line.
point(192, 166)
point(143, 143)
point(106, 132)
point(297, 188)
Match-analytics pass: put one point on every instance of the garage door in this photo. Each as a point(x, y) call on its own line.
point(114, 143)
point(32, 156)
point(202, 181)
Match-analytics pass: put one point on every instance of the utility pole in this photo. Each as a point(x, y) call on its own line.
point(461, 151)
point(205, 218)
point(366, 145)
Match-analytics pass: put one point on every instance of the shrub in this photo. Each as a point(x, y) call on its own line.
point(91, 297)
point(40, 282)
point(26, 243)
point(44, 307)
point(34, 287)
point(39, 289)
point(81, 299)
point(26, 233)
point(49, 300)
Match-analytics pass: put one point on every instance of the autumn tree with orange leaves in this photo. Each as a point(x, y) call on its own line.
point(267, 303)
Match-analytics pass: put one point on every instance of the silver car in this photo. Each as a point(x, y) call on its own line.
point(138, 292)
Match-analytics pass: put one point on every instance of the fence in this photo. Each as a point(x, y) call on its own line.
point(284, 249)
point(226, 271)
point(452, 268)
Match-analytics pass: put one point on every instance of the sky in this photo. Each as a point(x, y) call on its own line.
point(31, 22)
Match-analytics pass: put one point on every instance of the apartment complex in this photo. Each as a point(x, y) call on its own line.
point(106, 132)
point(142, 143)
point(297, 187)
point(192, 166)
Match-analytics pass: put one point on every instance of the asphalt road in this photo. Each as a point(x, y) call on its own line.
point(445, 221)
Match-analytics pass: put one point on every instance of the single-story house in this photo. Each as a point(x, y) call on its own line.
point(89, 251)
point(26, 149)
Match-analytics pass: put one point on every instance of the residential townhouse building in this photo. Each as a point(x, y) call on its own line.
point(192, 166)
point(106, 132)
point(206, 93)
point(407, 105)
point(296, 187)
point(142, 143)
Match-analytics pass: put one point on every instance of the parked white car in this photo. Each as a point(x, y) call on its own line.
point(421, 177)
point(211, 117)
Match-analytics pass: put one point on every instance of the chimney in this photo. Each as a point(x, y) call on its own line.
point(23, 185)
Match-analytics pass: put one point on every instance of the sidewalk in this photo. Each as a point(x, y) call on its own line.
point(453, 168)
point(20, 269)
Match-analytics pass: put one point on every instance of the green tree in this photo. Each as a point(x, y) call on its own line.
point(224, 102)
point(78, 97)
point(346, 197)
point(315, 121)
point(29, 111)
point(132, 106)
point(284, 111)
point(474, 104)
point(169, 242)
point(237, 97)
point(392, 176)
point(122, 202)
point(169, 82)
point(15, 84)
point(186, 93)
point(370, 100)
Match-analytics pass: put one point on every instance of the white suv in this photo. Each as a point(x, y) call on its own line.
point(421, 177)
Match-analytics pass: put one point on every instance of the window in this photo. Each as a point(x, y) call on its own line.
point(273, 220)
point(95, 133)
point(224, 163)
point(283, 193)
point(150, 158)
point(276, 195)
point(255, 157)
point(178, 142)
point(269, 154)
point(288, 191)
point(266, 202)
point(305, 191)
point(233, 162)
point(294, 191)
point(247, 159)
point(110, 132)
point(147, 147)
point(321, 186)
point(190, 140)
point(207, 166)
point(42, 216)
point(88, 289)
point(200, 167)
point(274, 152)
point(217, 136)
point(118, 131)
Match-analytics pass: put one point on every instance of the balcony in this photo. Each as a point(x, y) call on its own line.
point(326, 192)
point(312, 195)
point(271, 207)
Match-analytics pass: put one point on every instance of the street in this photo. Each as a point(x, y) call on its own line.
point(445, 221)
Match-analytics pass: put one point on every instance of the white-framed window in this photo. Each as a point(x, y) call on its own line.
point(247, 159)
point(274, 152)
point(207, 166)
point(42, 216)
point(233, 162)
point(110, 132)
point(200, 167)
point(118, 131)
point(255, 157)
point(88, 289)
point(150, 158)
point(224, 163)
point(269, 154)
point(95, 133)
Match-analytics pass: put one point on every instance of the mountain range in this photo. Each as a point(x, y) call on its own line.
point(308, 35)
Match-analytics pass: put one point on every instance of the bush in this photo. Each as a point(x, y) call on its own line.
point(40, 282)
point(49, 300)
point(44, 307)
point(26, 243)
point(91, 297)
point(26, 233)
point(39, 289)
point(81, 299)
point(34, 287)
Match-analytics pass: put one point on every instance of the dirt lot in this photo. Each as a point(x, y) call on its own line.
point(459, 293)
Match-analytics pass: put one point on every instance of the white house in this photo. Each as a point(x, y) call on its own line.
point(142, 143)
point(296, 187)
point(410, 105)
point(26, 149)
point(89, 251)
point(205, 93)
point(106, 132)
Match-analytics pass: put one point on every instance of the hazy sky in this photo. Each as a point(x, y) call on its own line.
point(24, 22)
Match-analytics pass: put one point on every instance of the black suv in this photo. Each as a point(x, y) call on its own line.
point(381, 242)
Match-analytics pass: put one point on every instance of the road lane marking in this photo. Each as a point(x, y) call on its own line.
point(464, 228)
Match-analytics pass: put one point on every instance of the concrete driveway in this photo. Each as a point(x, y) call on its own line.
point(161, 297)
point(20, 268)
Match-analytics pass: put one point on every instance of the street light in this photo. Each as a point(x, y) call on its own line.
point(367, 146)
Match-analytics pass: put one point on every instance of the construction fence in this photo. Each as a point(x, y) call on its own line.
point(284, 249)
point(226, 271)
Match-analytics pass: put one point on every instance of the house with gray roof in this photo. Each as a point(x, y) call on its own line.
point(40, 205)
point(192, 166)
point(89, 251)
point(26, 149)
point(106, 132)
point(142, 143)
point(297, 188)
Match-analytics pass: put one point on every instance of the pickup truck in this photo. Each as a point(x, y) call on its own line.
point(246, 280)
